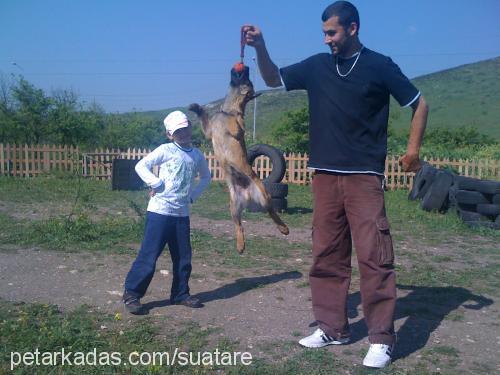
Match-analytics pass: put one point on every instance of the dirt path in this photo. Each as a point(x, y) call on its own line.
point(262, 228)
point(259, 311)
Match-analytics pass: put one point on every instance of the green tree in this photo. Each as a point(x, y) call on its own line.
point(94, 117)
point(67, 123)
point(32, 109)
point(464, 136)
point(8, 126)
point(132, 130)
point(292, 135)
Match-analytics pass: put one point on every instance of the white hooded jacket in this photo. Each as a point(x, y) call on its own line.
point(175, 185)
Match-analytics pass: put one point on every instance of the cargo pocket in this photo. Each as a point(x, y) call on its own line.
point(385, 248)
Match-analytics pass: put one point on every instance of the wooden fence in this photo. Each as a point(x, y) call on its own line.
point(29, 161)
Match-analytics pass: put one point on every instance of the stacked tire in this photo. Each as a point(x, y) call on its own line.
point(477, 202)
point(277, 190)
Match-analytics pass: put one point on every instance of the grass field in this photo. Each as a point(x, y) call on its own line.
point(442, 266)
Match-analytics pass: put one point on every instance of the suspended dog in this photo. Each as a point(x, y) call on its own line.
point(226, 129)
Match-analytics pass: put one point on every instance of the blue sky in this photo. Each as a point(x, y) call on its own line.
point(148, 55)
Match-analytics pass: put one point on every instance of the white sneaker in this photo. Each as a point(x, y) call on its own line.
point(378, 356)
point(319, 339)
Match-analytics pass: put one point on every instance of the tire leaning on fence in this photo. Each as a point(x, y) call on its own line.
point(475, 201)
point(276, 190)
point(278, 193)
point(277, 160)
point(436, 197)
point(279, 204)
point(422, 181)
point(272, 183)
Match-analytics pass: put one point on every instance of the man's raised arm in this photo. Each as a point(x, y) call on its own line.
point(268, 69)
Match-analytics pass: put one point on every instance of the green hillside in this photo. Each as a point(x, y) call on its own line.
point(467, 95)
point(270, 108)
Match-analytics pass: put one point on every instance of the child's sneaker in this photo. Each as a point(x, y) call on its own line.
point(132, 304)
point(319, 339)
point(378, 356)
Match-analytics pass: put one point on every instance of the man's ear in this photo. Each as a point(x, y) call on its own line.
point(353, 29)
point(169, 136)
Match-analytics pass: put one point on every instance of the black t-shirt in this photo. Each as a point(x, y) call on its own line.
point(348, 115)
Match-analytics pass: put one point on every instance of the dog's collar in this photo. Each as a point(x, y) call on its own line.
point(233, 113)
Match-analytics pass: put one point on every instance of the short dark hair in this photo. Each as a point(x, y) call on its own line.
point(344, 10)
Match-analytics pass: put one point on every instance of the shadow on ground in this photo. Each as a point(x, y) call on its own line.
point(425, 308)
point(298, 210)
point(233, 289)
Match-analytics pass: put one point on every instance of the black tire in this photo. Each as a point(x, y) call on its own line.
point(124, 177)
point(452, 197)
point(276, 190)
point(254, 207)
point(470, 197)
point(436, 197)
point(277, 160)
point(468, 215)
point(280, 204)
point(467, 207)
point(474, 184)
point(496, 199)
point(488, 209)
point(422, 181)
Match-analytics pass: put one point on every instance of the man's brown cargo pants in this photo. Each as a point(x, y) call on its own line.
point(345, 206)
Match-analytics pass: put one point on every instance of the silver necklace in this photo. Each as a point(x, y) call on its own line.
point(352, 67)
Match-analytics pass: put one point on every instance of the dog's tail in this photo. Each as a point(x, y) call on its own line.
point(202, 114)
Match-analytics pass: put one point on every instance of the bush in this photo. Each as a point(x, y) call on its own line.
point(292, 135)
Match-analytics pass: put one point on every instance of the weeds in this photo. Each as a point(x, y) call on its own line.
point(105, 220)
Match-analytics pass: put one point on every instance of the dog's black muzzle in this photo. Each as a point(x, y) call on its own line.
point(239, 78)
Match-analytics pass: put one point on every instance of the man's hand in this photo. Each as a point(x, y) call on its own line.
point(268, 69)
point(410, 162)
point(253, 35)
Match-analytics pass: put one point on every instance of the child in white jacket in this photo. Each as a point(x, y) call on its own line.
point(167, 219)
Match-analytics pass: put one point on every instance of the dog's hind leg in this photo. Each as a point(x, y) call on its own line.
point(282, 227)
point(237, 206)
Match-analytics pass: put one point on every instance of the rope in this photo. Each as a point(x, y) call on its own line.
point(242, 45)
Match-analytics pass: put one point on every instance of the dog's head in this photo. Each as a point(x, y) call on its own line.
point(240, 85)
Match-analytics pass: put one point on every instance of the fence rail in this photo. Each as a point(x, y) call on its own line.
point(33, 160)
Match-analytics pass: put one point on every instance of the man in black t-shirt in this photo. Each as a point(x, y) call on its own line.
point(348, 92)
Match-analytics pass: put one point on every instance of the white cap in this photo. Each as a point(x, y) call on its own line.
point(174, 121)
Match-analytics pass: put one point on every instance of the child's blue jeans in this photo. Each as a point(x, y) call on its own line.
point(159, 231)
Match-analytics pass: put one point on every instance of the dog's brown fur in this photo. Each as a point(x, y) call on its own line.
point(226, 129)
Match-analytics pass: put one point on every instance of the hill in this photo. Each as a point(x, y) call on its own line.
point(468, 95)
